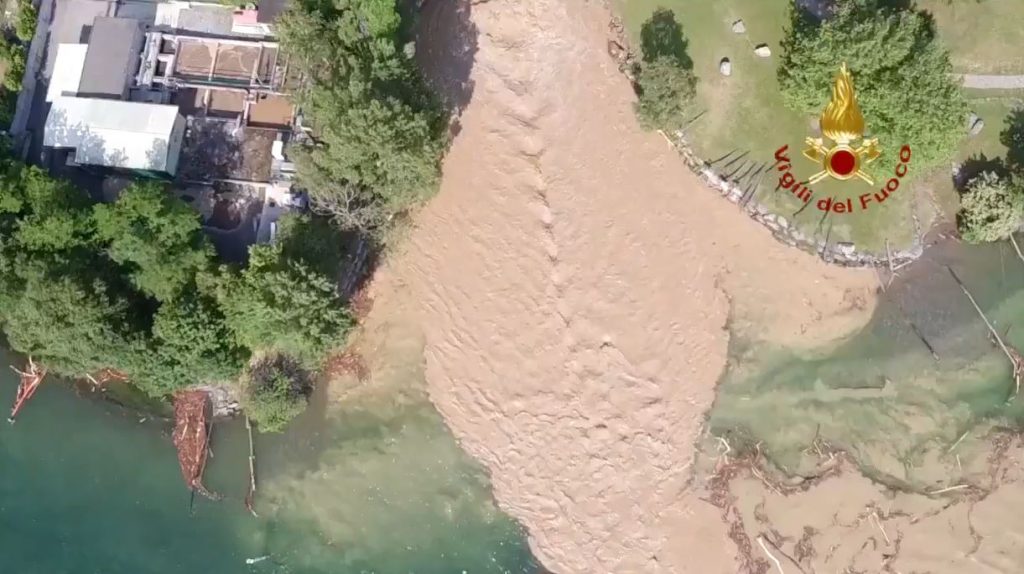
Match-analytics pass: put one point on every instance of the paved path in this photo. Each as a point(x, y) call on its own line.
point(990, 82)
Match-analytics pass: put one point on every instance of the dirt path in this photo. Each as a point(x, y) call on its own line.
point(993, 82)
point(573, 281)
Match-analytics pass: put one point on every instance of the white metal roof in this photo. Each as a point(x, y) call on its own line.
point(67, 70)
point(114, 133)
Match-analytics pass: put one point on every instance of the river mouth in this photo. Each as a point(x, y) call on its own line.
point(896, 449)
point(881, 395)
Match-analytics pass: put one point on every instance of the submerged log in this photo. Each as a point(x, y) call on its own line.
point(192, 438)
point(30, 381)
point(1011, 352)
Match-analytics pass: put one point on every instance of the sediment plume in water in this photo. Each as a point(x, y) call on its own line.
point(573, 280)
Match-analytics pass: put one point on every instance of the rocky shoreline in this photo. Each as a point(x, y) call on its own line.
point(844, 254)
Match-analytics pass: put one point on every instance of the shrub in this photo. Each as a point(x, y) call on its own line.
point(276, 390)
point(25, 24)
point(991, 208)
point(665, 92)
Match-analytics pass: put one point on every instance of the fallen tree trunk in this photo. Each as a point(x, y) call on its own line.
point(192, 438)
point(1015, 357)
point(30, 381)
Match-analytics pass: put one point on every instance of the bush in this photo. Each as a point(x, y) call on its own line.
point(25, 24)
point(991, 208)
point(665, 92)
point(276, 390)
point(16, 57)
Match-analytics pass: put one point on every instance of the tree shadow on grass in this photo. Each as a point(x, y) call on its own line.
point(1012, 137)
point(976, 165)
point(661, 35)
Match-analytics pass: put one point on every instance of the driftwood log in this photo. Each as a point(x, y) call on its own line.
point(1011, 352)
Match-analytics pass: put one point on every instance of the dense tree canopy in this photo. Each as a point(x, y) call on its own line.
point(71, 324)
point(130, 286)
point(991, 208)
point(49, 215)
point(191, 344)
point(314, 241)
point(901, 73)
point(156, 236)
point(282, 305)
point(380, 132)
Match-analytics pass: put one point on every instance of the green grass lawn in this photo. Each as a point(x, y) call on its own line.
point(984, 37)
point(745, 111)
point(993, 106)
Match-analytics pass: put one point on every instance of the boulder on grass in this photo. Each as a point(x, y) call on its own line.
point(725, 67)
point(763, 50)
point(975, 124)
point(738, 27)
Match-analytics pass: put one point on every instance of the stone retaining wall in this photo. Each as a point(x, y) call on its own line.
point(223, 399)
point(840, 253)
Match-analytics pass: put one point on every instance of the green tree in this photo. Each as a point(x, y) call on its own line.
point(72, 326)
point(380, 133)
point(665, 92)
point(275, 390)
point(991, 209)
point(665, 82)
point(49, 215)
point(191, 344)
point(314, 241)
point(1012, 136)
point(279, 305)
point(156, 236)
point(901, 73)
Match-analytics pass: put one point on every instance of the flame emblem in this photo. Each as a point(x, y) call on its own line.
point(843, 123)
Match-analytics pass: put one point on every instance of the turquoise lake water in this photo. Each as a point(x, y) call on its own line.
point(374, 483)
point(376, 486)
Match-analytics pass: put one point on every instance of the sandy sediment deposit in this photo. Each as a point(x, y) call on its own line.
point(846, 523)
point(573, 281)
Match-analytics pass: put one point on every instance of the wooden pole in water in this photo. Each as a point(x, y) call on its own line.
point(1016, 360)
point(981, 314)
point(1016, 247)
point(250, 497)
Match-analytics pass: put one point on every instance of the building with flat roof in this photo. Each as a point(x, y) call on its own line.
point(67, 71)
point(117, 134)
point(112, 58)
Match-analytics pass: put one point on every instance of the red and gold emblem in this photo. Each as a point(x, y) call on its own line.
point(843, 123)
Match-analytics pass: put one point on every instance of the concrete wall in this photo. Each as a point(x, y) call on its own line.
point(174, 145)
point(36, 56)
